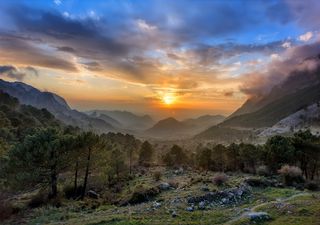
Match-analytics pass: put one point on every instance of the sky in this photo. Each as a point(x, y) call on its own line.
point(181, 58)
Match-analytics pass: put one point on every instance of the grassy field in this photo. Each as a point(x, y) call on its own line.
point(284, 205)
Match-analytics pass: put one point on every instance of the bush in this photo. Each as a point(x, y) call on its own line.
point(6, 208)
point(291, 175)
point(40, 199)
point(263, 170)
point(157, 175)
point(70, 193)
point(142, 194)
point(312, 186)
point(220, 179)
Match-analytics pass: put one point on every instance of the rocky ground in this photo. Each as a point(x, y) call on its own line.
point(186, 197)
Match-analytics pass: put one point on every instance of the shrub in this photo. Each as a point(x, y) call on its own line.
point(70, 193)
point(6, 208)
point(312, 186)
point(142, 194)
point(41, 198)
point(220, 179)
point(157, 175)
point(291, 174)
point(263, 170)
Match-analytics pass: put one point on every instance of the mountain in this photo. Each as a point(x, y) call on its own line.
point(106, 118)
point(277, 110)
point(306, 118)
point(168, 127)
point(172, 128)
point(204, 121)
point(55, 104)
point(295, 81)
point(16, 120)
point(273, 110)
point(124, 119)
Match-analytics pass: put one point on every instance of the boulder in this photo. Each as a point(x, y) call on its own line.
point(164, 186)
point(259, 216)
point(93, 194)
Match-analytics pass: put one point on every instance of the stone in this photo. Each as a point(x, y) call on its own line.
point(202, 205)
point(93, 194)
point(259, 216)
point(164, 186)
point(156, 205)
point(190, 209)
point(174, 214)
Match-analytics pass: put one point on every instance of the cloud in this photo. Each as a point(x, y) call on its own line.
point(57, 2)
point(286, 44)
point(298, 61)
point(19, 51)
point(15, 73)
point(306, 37)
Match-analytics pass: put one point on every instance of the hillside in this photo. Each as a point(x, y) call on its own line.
point(295, 81)
point(124, 119)
point(273, 112)
point(17, 120)
point(55, 104)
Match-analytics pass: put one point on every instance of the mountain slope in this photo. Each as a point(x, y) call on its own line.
point(168, 127)
point(295, 81)
point(273, 112)
point(306, 118)
point(125, 119)
point(55, 104)
point(16, 120)
point(204, 121)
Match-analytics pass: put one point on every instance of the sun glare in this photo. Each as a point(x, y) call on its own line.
point(168, 99)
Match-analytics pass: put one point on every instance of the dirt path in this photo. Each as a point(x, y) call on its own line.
point(253, 209)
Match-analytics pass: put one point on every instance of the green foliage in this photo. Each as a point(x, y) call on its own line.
point(146, 153)
point(176, 157)
point(39, 158)
point(279, 151)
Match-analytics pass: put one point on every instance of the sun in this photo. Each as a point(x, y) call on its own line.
point(168, 99)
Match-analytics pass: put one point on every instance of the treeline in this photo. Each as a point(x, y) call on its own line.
point(301, 150)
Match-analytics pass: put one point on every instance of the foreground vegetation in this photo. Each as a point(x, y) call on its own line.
point(53, 174)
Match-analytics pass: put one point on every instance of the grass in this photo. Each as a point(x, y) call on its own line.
point(302, 209)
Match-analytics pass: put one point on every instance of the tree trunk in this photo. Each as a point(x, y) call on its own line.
point(86, 174)
point(76, 179)
point(53, 175)
point(130, 161)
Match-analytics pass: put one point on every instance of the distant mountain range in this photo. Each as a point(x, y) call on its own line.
point(174, 129)
point(123, 119)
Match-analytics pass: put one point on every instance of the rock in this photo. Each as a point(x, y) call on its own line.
point(190, 209)
point(204, 188)
point(224, 200)
point(156, 205)
point(164, 186)
point(179, 171)
point(93, 194)
point(174, 214)
point(202, 205)
point(259, 216)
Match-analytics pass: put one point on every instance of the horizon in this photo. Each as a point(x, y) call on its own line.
point(160, 58)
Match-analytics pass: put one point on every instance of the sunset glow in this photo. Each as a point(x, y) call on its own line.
point(143, 55)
